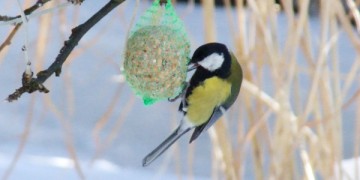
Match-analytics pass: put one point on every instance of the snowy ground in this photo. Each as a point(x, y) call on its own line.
point(42, 167)
point(92, 89)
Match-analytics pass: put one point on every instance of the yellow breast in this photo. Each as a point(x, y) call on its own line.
point(204, 98)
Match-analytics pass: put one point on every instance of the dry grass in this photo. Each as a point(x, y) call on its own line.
point(318, 145)
point(291, 132)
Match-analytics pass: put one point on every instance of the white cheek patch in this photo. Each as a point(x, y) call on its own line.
point(212, 62)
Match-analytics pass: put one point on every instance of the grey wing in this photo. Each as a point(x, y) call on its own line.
point(217, 113)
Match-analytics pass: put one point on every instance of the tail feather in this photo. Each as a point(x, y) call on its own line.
point(164, 145)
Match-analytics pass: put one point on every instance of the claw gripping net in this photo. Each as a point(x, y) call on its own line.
point(157, 53)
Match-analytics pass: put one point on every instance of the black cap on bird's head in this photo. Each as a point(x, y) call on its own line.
point(213, 57)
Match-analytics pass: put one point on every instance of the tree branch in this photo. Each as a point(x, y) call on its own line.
point(30, 84)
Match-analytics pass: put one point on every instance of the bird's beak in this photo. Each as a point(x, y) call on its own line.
point(192, 66)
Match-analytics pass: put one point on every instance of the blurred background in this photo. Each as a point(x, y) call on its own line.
point(296, 116)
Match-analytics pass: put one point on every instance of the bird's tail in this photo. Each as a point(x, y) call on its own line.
point(164, 145)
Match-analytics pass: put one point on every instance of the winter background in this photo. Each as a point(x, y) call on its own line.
point(83, 94)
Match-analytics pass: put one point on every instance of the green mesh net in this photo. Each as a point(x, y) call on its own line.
point(157, 53)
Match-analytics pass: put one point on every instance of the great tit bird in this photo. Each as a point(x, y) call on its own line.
point(212, 89)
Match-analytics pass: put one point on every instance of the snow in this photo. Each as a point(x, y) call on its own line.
point(350, 169)
point(58, 168)
point(92, 80)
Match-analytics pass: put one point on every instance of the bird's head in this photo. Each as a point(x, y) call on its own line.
point(213, 57)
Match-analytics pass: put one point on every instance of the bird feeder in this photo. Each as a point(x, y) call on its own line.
point(157, 54)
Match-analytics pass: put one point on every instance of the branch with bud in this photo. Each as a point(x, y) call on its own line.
point(30, 83)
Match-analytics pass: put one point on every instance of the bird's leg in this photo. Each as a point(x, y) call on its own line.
point(181, 94)
point(223, 111)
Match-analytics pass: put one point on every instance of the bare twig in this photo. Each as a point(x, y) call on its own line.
point(34, 7)
point(35, 14)
point(76, 1)
point(7, 41)
point(24, 137)
point(28, 71)
point(28, 11)
point(31, 84)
